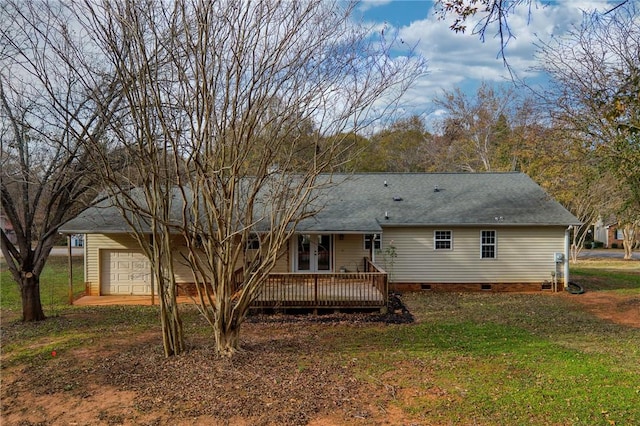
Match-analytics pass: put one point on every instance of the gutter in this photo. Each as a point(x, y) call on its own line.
point(470, 225)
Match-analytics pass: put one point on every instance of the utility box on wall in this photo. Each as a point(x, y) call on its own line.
point(558, 257)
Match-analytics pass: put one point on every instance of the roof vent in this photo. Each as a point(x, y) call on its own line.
point(397, 198)
point(436, 188)
point(386, 215)
point(385, 183)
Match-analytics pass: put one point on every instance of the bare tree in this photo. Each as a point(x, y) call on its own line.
point(588, 194)
point(399, 147)
point(227, 91)
point(491, 15)
point(477, 125)
point(595, 73)
point(45, 115)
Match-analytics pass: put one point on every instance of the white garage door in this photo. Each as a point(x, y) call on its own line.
point(124, 272)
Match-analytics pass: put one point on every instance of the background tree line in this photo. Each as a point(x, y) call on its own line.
point(133, 100)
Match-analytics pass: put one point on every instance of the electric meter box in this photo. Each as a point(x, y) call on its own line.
point(558, 257)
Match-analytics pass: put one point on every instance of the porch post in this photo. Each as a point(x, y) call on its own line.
point(567, 253)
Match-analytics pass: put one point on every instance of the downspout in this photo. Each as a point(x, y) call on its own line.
point(567, 236)
point(85, 273)
point(372, 250)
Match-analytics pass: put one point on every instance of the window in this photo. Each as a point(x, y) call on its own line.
point(376, 238)
point(442, 240)
point(488, 244)
point(253, 243)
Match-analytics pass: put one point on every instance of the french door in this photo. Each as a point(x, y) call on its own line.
point(313, 253)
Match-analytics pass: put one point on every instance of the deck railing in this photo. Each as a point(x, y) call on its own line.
point(326, 290)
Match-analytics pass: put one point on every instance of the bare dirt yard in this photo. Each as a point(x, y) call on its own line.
point(282, 377)
point(617, 308)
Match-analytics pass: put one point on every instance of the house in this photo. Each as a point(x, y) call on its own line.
point(609, 234)
point(7, 228)
point(418, 231)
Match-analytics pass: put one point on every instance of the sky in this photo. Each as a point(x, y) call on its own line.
point(462, 60)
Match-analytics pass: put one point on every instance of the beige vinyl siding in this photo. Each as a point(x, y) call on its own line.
point(96, 242)
point(523, 255)
point(183, 271)
point(93, 244)
point(181, 268)
point(349, 252)
point(282, 264)
point(282, 261)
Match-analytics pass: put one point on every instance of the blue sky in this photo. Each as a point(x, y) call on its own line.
point(462, 60)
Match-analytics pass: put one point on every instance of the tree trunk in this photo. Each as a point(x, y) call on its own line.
point(628, 249)
point(30, 294)
point(172, 337)
point(170, 320)
point(227, 335)
point(629, 236)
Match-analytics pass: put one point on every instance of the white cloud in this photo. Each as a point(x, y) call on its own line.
point(457, 60)
point(463, 60)
point(365, 5)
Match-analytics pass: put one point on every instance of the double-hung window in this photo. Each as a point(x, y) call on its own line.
point(442, 240)
point(488, 245)
point(374, 239)
point(253, 243)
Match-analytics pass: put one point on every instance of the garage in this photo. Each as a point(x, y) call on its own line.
point(124, 272)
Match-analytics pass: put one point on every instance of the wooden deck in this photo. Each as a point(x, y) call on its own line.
point(347, 290)
point(294, 290)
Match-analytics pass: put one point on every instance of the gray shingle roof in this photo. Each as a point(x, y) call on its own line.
point(363, 203)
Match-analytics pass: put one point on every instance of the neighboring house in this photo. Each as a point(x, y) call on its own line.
point(7, 228)
point(77, 240)
point(601, 231)
point(608, 233)
point(424, 231)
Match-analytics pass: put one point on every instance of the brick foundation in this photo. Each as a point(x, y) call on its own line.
point(469, 287)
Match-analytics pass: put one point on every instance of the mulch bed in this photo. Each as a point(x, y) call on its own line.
point(282, 375)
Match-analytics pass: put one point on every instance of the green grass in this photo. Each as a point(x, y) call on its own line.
point(610, 275)
point(503, 359)
point(54, 285)
point(67, 326)
point(471, 358)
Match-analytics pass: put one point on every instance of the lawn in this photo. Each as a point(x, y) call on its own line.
point(469, 358)
point(609, 274)
point(54, 285)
